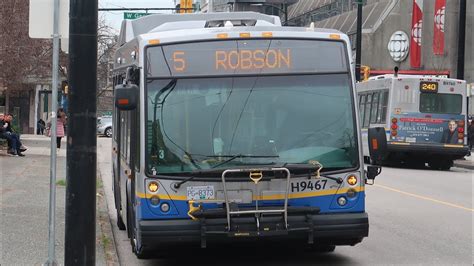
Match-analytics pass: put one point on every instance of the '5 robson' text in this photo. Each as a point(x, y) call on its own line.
point(253, 59)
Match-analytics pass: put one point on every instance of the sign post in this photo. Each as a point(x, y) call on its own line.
point(54, 107)
point(43, 26)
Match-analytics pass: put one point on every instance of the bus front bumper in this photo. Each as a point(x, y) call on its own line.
point(327, 229)
point(449, 150)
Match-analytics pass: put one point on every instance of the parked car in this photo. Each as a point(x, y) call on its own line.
point(104, 126)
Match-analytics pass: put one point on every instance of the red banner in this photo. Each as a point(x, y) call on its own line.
point(416, 30)
point(438, 32)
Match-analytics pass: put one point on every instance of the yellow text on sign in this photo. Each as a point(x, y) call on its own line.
point(253, 59)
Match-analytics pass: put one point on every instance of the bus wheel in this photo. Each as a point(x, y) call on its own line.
point(120, 223)
point(441, 164)
point(446, 165)
point(324, 248)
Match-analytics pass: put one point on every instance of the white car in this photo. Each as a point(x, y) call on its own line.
point(104, 126)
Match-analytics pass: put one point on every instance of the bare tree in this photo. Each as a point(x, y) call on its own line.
point(20, 56)
point(107, 40)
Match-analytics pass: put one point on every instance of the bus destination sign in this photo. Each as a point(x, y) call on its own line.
point(246, 57)
point(429, 86)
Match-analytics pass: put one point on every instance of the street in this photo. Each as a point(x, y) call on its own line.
point(417, 216)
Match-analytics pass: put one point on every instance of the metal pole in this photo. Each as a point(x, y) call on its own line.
point(461, 39)
point(80, 235)
point(359, 39)
point(286, 14)
point(54, 106)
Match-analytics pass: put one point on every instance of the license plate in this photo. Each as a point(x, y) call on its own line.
point(200, 193)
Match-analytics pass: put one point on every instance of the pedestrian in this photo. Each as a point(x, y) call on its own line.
point(15, 146)
point(63, 116)
point(470, 134)
point(60, 121)
point(40, 126)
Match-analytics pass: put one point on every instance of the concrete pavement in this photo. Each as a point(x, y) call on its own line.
point(467, 162)
point(417, 217)
point(24, 203)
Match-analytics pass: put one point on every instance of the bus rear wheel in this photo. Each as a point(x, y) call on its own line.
point(120, 223)
point(323, 248)
point(441, 164)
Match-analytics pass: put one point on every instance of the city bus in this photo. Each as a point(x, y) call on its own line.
point(424, 118)
point(229, 127)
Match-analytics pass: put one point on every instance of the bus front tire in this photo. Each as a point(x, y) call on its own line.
point(120, 223)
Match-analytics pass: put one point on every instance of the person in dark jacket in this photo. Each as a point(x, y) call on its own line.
point(450, 135)
point(15, 146)
point(41, 125)
point(470, 134)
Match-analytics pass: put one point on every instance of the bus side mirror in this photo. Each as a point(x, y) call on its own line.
point(126, 96)
point(377, 144)
point(372, 172)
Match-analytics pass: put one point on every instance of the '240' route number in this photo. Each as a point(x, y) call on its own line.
point(309, 185)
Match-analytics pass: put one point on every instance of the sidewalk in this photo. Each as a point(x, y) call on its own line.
point(24, 205)
point(467, 163)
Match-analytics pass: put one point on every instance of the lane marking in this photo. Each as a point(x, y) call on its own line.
point(425, 198)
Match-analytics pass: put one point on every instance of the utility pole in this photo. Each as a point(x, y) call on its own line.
point(461, 39)
point(82, 139)
point(359, 39)
point(54, 106)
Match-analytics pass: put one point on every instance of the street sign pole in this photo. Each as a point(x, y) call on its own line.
point(80, 234)
point(52, 189)
point(359, 39)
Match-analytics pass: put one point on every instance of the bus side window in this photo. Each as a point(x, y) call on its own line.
point(382, 119)
point(362, 107)
point(368, 105)
point(374, 107)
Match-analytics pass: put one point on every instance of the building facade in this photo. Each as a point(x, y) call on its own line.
point(387, 25)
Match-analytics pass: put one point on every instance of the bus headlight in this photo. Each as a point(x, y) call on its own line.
point(342, 201)
point(352, 180)
point(165, 207)
point(155, 200)
point(153, 186)
point(351, 193)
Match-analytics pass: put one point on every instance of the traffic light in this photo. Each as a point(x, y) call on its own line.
point(365, 70)
point(186, 6)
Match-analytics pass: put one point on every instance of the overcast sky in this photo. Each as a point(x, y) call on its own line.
point(114, 18)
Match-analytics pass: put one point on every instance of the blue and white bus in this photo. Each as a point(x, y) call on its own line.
point(229, 125)
point(424, 118)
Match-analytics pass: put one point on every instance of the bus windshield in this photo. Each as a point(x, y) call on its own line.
point(198, 123)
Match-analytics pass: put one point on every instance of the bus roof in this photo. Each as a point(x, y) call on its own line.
point(417, 77)
point(132, 28)
point(173, 24)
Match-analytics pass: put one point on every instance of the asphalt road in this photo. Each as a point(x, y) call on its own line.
point(417, 216)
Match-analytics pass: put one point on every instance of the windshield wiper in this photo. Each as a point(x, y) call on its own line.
point(233, 157)
point(311, 169)
point(193, 162)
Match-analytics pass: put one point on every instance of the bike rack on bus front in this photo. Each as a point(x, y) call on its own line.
point(256, 175)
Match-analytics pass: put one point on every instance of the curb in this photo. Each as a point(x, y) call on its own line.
point(108, 239)
point(464, 165)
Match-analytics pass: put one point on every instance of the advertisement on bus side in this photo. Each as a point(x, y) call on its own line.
point(432, 128)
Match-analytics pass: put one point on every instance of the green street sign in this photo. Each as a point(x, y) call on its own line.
point(132, 15)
